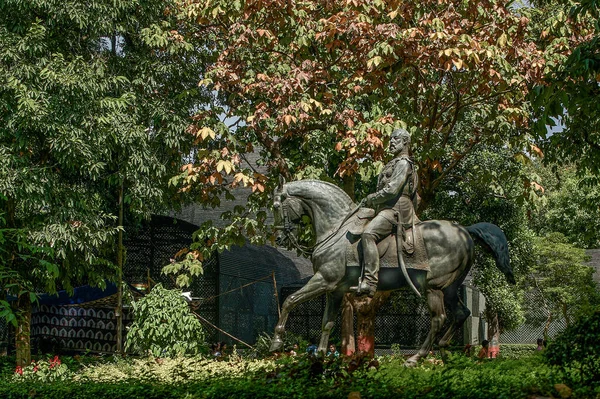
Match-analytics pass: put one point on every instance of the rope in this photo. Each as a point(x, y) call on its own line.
point(235, 289)
point(202, 319)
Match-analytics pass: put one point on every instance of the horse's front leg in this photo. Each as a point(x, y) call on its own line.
point(316, 286)
point(332, 308)
point(435, 301)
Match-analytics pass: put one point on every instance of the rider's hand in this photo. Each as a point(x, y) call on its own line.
point(369, 200)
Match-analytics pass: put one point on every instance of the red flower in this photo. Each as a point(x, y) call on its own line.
point(55, 361)
point(19, 370)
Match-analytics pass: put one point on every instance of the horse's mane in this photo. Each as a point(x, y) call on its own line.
point(304, 188)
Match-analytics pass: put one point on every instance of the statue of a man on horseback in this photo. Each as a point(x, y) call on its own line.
point(394, 202)
point(450, 248)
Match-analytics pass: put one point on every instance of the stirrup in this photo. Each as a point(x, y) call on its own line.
point(364, 288)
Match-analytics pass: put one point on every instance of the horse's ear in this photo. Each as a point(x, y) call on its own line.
point(281, 182)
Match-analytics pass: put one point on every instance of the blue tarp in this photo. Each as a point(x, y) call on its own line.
point(82, 294)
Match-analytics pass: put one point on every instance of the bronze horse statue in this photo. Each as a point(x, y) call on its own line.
point(449, 247)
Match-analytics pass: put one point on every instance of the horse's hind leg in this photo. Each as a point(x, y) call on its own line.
point(332, 308)
point(435, 302)
point(459, 312)
point(316, 286)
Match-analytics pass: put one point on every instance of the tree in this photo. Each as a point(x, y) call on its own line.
point(93, 102)
point(316, 88)
point(568, 94)
point(562, 278)
point(570, 205)
point(319, 90)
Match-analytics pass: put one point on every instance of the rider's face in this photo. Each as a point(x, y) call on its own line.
point(396, 144)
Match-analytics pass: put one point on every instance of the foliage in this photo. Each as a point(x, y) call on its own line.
point(186, 268)
point(568, 94)
point(517, 351)
point(298, 377)
point(93, 100)
point(576, 352)
point(175, 370)
point(164, 325)
point(562, 278)
point(570, 205)
point(314, 90)
point(43, 371)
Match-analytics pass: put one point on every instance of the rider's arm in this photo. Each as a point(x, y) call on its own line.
point(395, 184)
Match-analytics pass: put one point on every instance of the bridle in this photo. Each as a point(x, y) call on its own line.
point(287, 227)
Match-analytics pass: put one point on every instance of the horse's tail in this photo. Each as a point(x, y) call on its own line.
point(495, 241)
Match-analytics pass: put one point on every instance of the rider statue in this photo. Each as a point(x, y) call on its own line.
point(394, 203)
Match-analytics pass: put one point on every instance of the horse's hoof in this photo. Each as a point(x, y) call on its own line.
point(408, 363)
point(411, 362)
point(276, 345)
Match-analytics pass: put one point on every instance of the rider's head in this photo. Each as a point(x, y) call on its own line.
point(399, 140)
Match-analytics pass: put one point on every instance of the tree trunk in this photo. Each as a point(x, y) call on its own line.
point(494, 335)
point(566, 314)
point(547, 325)
point(366, 310)
point(347, 331)
point(23, 331)
point(120, 251)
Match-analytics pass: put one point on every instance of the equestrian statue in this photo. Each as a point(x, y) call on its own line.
point(361, 250)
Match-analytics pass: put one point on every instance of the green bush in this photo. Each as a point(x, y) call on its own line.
point(7, 366)
point(516, 351)
point(306, 377)
point(164, 325)
point(173, 370)
point(43, 370)
point(303, 377)
point(576, 352)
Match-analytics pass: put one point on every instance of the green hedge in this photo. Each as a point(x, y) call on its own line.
point(304, 377)
point(461, 377)
point(517, 351)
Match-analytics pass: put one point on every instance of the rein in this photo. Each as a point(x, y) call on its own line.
point(306, 250)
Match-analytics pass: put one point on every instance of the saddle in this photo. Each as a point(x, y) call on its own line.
point(414, 251)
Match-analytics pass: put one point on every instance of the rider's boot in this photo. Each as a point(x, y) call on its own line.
point(368, 283)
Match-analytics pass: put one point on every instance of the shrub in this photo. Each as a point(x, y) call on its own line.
point(42, 371)
point(516, 351)
point(164, 325)
point(576, 351)
point(173, 370)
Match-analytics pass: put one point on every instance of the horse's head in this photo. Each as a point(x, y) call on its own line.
point(287, 213)
point(325, 204)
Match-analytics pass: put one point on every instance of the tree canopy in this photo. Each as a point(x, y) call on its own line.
point(568, 94)
point(316, 88)
point(93, 102)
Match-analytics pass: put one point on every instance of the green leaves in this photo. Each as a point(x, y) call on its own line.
point(164, 325)
point(562, 277)
point(575, 352)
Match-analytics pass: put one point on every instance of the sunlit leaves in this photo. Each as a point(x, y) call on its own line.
point(350, 71)
point(93, 97)
point(568, 95)
point(164, 325)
